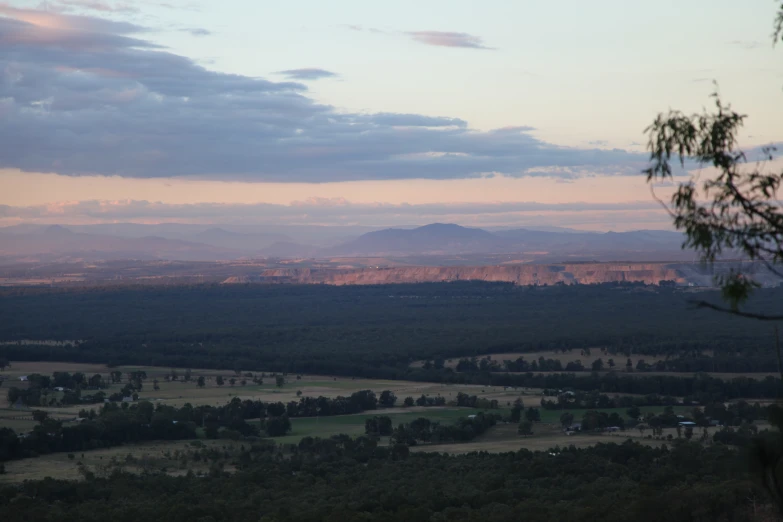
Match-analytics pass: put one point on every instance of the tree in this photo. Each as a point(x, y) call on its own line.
point(610, 363)
point(385, 427)
point(219, 380)
point(734, 210)
point(737, 209)
point(279, 381)
point(629, 365)
point(200, 381)
point(40, 416)
point(371, 426)
point(598, 365)
point(155, 385)
point(566, 420)
point(4, 364)
point(298, 393)
point(688, 432)
point(516, 411)
point(232, 381)
point(387, 399)
point(277, 426)
point(634, 412)
point(532, 414)
point(525, 428)
point(408, 402)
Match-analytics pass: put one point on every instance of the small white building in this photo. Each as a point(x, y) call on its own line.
point(23, 378)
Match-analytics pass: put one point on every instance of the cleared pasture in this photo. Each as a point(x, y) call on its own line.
point(553, 416)
point(504, 437)
point(177, 393)
point(353, 425)
point(154, 455)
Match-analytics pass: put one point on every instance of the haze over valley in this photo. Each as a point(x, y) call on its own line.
point(412, 261)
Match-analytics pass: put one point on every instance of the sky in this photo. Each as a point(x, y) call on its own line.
point(502, 113)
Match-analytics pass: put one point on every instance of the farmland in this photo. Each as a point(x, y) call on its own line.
point(144, 457)
point(177, 393)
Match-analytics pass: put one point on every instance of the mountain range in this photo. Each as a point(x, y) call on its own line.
point(203, 243)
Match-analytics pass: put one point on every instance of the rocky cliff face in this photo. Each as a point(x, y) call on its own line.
point(650, 273)
point(530, 274)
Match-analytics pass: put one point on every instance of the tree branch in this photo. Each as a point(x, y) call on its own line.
point(750, 315)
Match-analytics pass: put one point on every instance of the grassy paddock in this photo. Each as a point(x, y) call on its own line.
point(553, 416)
point(152, 455)
point(504, 437)
point(178, 393)
point(353, 425)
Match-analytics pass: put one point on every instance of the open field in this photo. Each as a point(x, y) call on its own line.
point(504, 437)
point(178, 393)
point(353, 425)
point(21, 421)
point(553, 416)
point(717, 375)
point(158, 455)
point(154, 454)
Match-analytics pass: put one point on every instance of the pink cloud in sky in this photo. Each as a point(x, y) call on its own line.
point(448, 39)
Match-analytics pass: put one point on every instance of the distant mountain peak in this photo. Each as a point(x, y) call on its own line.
point(56, 230)
point(441, 225)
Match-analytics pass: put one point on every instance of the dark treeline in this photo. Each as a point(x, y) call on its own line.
point(613, 359)
point(359, 330)
point(355, 480)
point(559, 400)
point(699, 388)
point(423, 431)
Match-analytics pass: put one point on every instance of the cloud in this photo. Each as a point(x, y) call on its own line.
point(52, 25)
point(446, 39)
point(598, 143)
point(747, 44)
point(198, 31)
point(309, 73)
point(92, 5)
point(354, 27)
point(315, 209)
point(81, 95)
point(414, 120)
